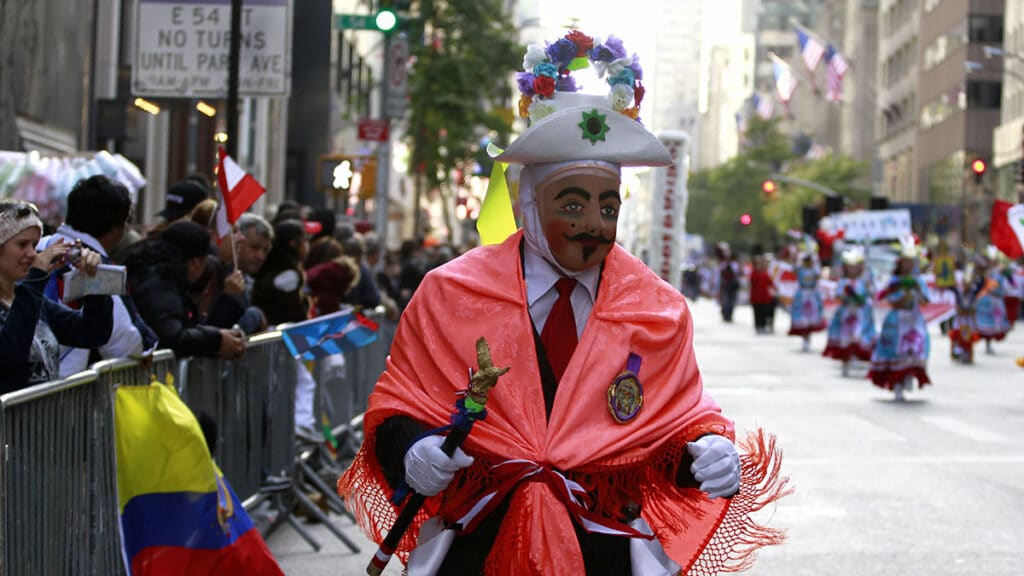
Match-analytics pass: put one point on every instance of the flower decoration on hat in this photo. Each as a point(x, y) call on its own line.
point(548, 70)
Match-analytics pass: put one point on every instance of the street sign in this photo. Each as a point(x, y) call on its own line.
point(181, 48)
point(397, 76)
point(373, 129)
point(353, 22)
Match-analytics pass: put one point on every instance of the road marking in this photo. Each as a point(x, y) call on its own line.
point(961, 428)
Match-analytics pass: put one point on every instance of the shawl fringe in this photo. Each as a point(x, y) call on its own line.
point(734, 546)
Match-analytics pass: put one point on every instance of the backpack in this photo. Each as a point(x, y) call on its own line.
point(728, 277)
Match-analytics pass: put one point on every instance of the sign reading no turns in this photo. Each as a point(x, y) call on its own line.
point(181, 48)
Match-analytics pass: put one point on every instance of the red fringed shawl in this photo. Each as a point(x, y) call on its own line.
point(483, 294)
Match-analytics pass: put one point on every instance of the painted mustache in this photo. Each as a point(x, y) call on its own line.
point(589, 239)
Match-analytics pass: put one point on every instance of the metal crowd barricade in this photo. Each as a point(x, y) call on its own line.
point(251, 402)
point(59, 482)
point(59, 472)
point(343, 395)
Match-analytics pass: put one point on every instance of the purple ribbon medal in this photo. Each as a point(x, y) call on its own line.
point(626, 395)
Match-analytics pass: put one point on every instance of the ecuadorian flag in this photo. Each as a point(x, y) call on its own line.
point(178, 513)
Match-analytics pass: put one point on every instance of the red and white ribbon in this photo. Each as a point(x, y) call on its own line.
point(575, 498)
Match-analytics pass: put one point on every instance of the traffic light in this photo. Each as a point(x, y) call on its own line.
point(341, 174)
point(385, 20)
point(768, 187)
point(978, 167)
point(746, 219)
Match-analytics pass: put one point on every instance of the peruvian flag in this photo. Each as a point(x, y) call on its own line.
point(238, 190)
point(1007, 228)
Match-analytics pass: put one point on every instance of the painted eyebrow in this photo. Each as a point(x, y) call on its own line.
point(609, 194)
point(573, 190)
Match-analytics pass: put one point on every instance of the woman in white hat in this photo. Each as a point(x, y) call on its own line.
point(986, 294)
point(807, 312)
point(901, 354)
point(31, 326)
point(851, 334)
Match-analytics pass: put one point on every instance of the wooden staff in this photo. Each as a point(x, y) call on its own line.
point(469, 408)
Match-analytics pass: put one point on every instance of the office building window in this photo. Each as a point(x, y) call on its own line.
point(985, 28)
point(983, 94)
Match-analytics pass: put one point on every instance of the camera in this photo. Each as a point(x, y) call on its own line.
point(73, 255)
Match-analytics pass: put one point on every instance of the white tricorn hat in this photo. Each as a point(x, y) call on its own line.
point(584, 127)
point(567, 125)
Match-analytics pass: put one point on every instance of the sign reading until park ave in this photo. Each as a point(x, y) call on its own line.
point(182, 48)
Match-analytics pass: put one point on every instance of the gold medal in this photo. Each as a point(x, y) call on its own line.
point(626, 394)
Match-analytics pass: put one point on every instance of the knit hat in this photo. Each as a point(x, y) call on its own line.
point(15, 217)
point(191, 239)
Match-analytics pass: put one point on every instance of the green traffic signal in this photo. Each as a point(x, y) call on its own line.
point(386, 20)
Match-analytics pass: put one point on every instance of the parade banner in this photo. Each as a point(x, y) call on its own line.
point(873, 224)
point(182, 48)
point(668, 220)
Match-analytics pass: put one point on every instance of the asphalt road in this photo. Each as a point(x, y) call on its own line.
point(931, 486)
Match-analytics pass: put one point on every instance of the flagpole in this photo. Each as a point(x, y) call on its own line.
point(234, 55)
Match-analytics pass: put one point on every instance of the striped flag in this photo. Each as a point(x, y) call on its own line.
point(835, 69)
point(179, 515)
point(741, 128)
point(811, 50)
point(785, 82)
point(238, 189)
point(764, 106)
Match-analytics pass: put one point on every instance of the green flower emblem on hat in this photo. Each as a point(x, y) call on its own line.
point(593, 126)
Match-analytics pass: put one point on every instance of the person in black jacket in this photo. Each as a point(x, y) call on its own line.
point(31, 327)
point(161, 272)
point(278, 289)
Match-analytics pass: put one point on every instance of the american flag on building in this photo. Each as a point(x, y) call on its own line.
point(811, 50)
point(835, 69)
point(763, 106)
point(785, 81)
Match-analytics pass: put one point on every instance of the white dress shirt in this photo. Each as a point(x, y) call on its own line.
point(541, 294)
point(125, 339)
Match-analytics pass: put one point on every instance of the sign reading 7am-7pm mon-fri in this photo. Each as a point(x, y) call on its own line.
point(181, 48)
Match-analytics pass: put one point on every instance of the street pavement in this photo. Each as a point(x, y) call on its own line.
point(931, 486)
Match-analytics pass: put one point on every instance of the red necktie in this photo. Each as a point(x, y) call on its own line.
point(559, 334)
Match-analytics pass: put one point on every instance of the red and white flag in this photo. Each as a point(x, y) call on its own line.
point(1007, 228)
point(238, 190)
point(835, 69)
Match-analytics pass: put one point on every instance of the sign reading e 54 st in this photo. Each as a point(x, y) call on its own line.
point(182, 48)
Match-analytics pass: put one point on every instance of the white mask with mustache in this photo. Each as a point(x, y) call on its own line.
point(530, 178)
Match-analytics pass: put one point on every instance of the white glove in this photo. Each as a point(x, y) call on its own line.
point(428, 470)
point(716, 465)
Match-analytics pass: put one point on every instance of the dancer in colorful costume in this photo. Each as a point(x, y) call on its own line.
point(807, 312)
point(963, 332)
point(901, 354)
point(989, 307)
point(601, 452)
point(851, 333)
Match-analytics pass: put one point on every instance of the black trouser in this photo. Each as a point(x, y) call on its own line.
point(728, 301)
point(764, 315)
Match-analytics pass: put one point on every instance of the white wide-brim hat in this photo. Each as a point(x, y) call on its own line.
point(585, 127)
